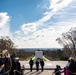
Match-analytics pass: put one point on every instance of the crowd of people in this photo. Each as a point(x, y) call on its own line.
point(12, 66)
point(69, 69)
point(9, 64)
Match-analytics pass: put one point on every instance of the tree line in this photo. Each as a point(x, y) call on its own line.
point(67, 40)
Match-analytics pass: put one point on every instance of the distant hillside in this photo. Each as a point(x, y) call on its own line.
point(50, 53)
point(34, 49)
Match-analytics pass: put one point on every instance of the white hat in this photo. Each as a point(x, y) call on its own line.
point(16, 58)
point(71, 58)
point(5, 51)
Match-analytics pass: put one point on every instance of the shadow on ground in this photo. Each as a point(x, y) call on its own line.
point(32, 73)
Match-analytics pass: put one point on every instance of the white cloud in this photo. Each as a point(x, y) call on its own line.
point(17, 32)
point(55, 6)
point(4, 18)
point(45, 13)
point(30, 34)
point(30, 27)
point(4, 24)
point(46, 37)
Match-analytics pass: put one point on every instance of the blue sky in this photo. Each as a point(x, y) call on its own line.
point(36, 23)
point(24, 11)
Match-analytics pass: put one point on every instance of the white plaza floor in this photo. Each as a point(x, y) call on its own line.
point(48, 64)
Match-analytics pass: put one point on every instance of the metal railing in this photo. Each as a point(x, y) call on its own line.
point(18, 72)
point(7, 72)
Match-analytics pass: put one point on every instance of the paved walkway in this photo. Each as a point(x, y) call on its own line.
point(48, 65)
point(45, 72)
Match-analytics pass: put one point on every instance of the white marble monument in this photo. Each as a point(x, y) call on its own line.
point(38, 54)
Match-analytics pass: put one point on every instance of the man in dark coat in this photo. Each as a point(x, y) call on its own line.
point(42, 64)
point(13, 66)
point(8, 65)
point(2, 69)
point(72, 66)
point(18, 66)
point(37, 65)
point(31, 64)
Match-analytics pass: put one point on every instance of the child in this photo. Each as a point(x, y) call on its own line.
point(57, 70)
point(23, 69)
point(65, 71)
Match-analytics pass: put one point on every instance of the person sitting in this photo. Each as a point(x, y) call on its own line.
point(65, 71)
point(57, 70)
point(22, 69)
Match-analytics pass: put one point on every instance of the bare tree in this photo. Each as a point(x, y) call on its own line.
point(6, 43)
point(68, 40)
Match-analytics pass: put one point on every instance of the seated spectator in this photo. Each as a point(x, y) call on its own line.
point(22, 69)
point(65, 71)
point(57, 70)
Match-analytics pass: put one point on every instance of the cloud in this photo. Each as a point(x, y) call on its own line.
point(4, 24)
point(4, 19)
point(59, 4)
point(37, 35)
point(55, 5)
point(30, 27)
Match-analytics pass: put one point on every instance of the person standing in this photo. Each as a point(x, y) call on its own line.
point(69, 61)
point(42, 64)
point(8, 64)
point(18, 66)
point(37, 65)
point(31, 64)
point(2, 67)
point(72, 66)
point(13, 66)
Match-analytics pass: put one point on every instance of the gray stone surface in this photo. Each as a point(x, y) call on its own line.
point(48, 64)
point(45, 72)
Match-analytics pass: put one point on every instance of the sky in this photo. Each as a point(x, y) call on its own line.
point(36, 23)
